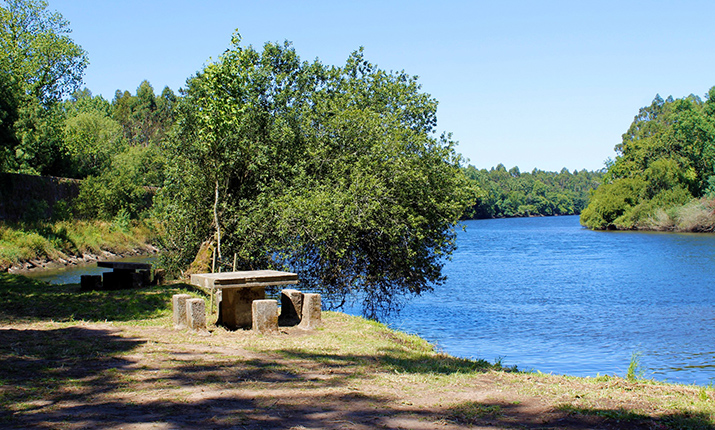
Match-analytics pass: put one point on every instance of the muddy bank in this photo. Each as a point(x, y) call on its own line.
point(39, 264)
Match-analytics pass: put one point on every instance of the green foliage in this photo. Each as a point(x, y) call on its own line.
point(90, 136)
point(665, 161)
point(515, 194)
point(116, 169)
point(332, 172)
point(39, 64)
point(635, 370)
point(120, 188)
point(145, 118)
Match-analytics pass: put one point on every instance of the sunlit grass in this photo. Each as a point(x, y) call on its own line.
point(23, 241)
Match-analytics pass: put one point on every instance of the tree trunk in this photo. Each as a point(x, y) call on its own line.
point(218, 226)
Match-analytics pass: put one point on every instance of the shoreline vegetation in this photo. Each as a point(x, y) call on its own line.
point(663, 177)
point(112, 359)
point(44, 244)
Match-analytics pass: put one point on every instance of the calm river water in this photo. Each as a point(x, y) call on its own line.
point(548, 295)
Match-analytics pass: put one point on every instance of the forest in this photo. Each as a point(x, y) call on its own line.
point(510, 193)
point(662, 177)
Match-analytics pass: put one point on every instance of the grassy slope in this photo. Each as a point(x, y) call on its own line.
point(54, 240)
point(112, 360)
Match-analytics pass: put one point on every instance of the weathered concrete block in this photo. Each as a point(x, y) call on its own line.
point(111, 281)
point(311, 315)
point(119, 279)
point(90, 282)
point(291, 307)
point(265, 316)
point(178, 303)
point(196, 314)
point(159, 275)
point(236, 306)
point(144, 278)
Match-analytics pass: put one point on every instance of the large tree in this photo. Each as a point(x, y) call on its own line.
point(39, 65)
point(333, 172)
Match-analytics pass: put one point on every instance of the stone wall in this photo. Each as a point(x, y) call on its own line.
point(33, 197)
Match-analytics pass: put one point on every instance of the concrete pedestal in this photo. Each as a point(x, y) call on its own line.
point(265, 316)
point(178, 304)
point(196, 314)
point(311, 315)
point(236, 306)
point(291, 308)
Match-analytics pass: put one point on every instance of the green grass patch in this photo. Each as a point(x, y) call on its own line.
point(26, 300)
point(24, 241)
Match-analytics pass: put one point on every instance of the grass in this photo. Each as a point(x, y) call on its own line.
point(697, 215)
point(25, 241)
point(112, 359)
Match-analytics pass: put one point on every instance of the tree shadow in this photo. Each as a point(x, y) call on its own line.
point(82, 378)
point(401, 361)
point(41, 367)
point(24, 299)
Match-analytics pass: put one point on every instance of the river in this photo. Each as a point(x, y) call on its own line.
point(546, 294)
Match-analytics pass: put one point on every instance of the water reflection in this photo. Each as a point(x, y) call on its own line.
point(72, 274)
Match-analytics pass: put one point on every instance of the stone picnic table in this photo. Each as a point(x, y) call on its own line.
point(239, 290)
point(125, 275)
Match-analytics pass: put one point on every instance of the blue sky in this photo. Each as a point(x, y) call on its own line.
point(533, 84)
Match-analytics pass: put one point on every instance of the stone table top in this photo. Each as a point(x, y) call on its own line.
point(242, 279)
point(120, 265)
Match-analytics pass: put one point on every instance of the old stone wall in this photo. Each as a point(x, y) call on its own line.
point(34, 197)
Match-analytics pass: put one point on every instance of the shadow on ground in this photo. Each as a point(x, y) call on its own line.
point(24, 299)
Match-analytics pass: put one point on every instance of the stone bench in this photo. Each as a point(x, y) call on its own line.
point(301, 309)
point(188, 312)
point(297, 309)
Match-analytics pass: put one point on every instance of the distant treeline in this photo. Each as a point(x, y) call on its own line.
point(511, 193)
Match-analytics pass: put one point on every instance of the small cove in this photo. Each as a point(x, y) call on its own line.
point(73, 274)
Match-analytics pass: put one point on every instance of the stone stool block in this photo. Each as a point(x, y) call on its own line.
point(159, 275)
point(90, 282)
point(265, 316)
point(291, 308)
point(196, 314)
point(111, 281)
point(178, 304)
point(311, 316)
point(145, 278)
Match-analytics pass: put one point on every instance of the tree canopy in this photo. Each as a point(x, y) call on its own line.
point(512, 193)
point(39, 64)
point(664, 162)
point(333, 172)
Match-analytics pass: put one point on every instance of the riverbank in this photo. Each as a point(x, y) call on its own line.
point(43, 245)
point(112, 360)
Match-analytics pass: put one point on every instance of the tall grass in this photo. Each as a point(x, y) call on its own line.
point(697, 215)
point(25, 241)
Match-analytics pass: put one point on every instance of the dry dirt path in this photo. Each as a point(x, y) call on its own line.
point(349, 375)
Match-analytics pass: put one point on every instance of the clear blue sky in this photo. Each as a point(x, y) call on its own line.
point(533, 84)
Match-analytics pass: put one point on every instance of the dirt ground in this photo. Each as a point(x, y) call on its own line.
point(111, 376)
